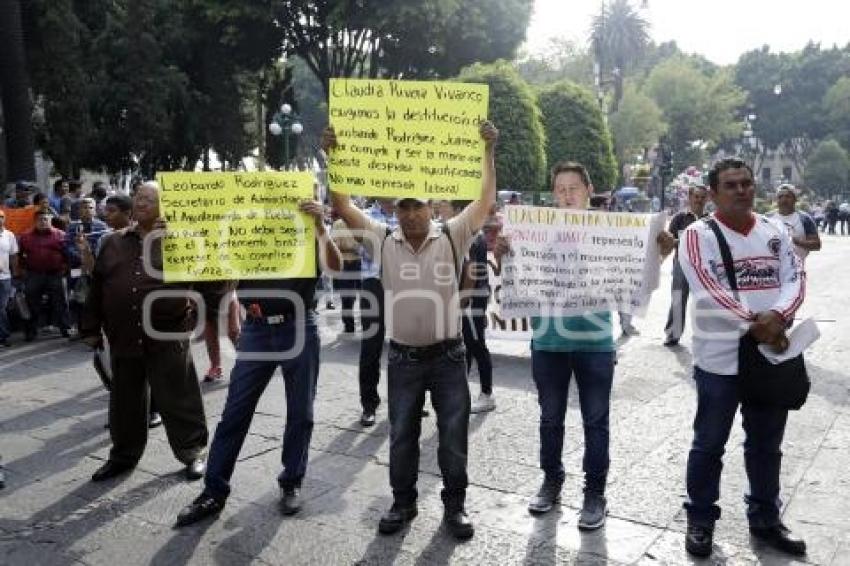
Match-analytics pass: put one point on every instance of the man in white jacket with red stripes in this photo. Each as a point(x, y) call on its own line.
point(771, 287)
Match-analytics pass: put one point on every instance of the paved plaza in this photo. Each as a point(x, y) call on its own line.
point(52, 437)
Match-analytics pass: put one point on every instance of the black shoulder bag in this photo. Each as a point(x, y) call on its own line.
point(761, 383)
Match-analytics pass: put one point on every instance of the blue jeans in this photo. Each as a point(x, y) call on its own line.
point(594, 374)
point(717, 403)
point(248, 380)
point(407, 380)
point(5, 295)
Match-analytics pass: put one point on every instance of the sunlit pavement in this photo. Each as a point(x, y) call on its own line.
point(52, 412)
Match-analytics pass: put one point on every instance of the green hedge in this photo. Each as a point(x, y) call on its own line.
point(520, 158)
point(576, 131)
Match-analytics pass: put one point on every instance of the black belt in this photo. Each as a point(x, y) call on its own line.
point(427, 352)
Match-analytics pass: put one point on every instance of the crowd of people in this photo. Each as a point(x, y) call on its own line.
point(417, 269)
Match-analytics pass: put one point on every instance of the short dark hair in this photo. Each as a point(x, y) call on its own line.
point(38, 197)
point(459, 205)
point(725, 165)
point(570, 167)
point(122, 202)
point(58, 183)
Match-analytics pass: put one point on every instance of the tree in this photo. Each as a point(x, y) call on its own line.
point(562, 60)
point(701, 109)
point(836, 105)
point(828, 168)
point(618, 38)
point(576, 131)
point(15, 95)
point(637, 124)
point(520, 161)
point(401, 39)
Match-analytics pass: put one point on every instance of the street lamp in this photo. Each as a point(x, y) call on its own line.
point(283, 122)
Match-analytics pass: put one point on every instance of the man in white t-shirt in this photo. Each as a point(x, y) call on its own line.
point(8, 267)
point(801, 226)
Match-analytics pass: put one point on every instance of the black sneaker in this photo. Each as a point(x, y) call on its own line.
point(593, 512)
point(780, 538)
point(395, 518)
point(367, 419)
point(547, 496)
point(699, 540)
point(204, 506)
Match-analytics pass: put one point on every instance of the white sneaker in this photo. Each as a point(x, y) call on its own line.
point(483, 404)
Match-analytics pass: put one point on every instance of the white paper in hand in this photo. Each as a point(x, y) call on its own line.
point(801, 337)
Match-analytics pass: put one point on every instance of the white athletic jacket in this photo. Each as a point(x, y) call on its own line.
point(770, 276)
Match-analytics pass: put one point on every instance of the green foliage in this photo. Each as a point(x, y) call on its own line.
point(520, 158)
point(836, 104)
point(636, 125)
point(697, 106)
point(563, 60)
point(576, 131)
point(404, 38)
point(619, 37)
point(828, 168)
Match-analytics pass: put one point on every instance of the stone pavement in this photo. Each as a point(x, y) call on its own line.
point(52, 412)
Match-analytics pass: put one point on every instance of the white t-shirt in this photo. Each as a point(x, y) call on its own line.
point(8, 246)
point(769, 274)
point(794, 223)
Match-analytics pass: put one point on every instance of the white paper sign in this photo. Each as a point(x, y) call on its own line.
point(500, 327)
point(568, 262)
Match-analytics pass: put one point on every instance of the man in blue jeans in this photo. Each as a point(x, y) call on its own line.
point(563, 347)
point(420, 265)
point(279, 331)
point(771, 285)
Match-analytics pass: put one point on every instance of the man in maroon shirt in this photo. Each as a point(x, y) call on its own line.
point(43, 262)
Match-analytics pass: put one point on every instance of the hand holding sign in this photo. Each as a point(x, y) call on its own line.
point(408, 138)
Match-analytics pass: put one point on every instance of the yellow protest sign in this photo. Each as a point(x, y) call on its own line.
point(407, 138)
point(226, 226)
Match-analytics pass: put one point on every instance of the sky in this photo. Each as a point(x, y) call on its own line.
point(720, 30)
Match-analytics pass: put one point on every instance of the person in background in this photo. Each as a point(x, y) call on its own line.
point(82, 235)
point(475, 294)
point(44, 264)
point(21, 197)
point(99, 194)
point(844, 217)
point(60, 189)
point(74, 195)
point(8, 269)
point(801, 227)
point(372, 317)
point(348, 284)
point(831, 215)
point(669, 240)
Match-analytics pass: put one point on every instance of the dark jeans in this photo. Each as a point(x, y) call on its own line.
point(6, 291)
point(678, 303)
point(168, 372)
point(38, 284)
point(248, 381)
point(473, 324)
point(372, 343)
point(347, 288)
point(594, 374)
point(408, 379)
point(717, 403)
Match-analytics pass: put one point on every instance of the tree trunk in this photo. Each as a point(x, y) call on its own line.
point(15, 85)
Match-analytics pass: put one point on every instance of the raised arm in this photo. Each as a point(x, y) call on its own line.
point(480, 209)
point(329, 256)
point(351, 215)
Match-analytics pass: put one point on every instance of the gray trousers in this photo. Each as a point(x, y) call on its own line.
point(173, 383)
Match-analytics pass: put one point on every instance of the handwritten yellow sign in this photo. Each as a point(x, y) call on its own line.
point(407, 138)
point(226, 226)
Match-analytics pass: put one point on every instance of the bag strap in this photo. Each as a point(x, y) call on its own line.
point(445, 228)
point(381, 254)
point(726, 254)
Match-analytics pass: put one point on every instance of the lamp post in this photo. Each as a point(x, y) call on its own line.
point(284, 122)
